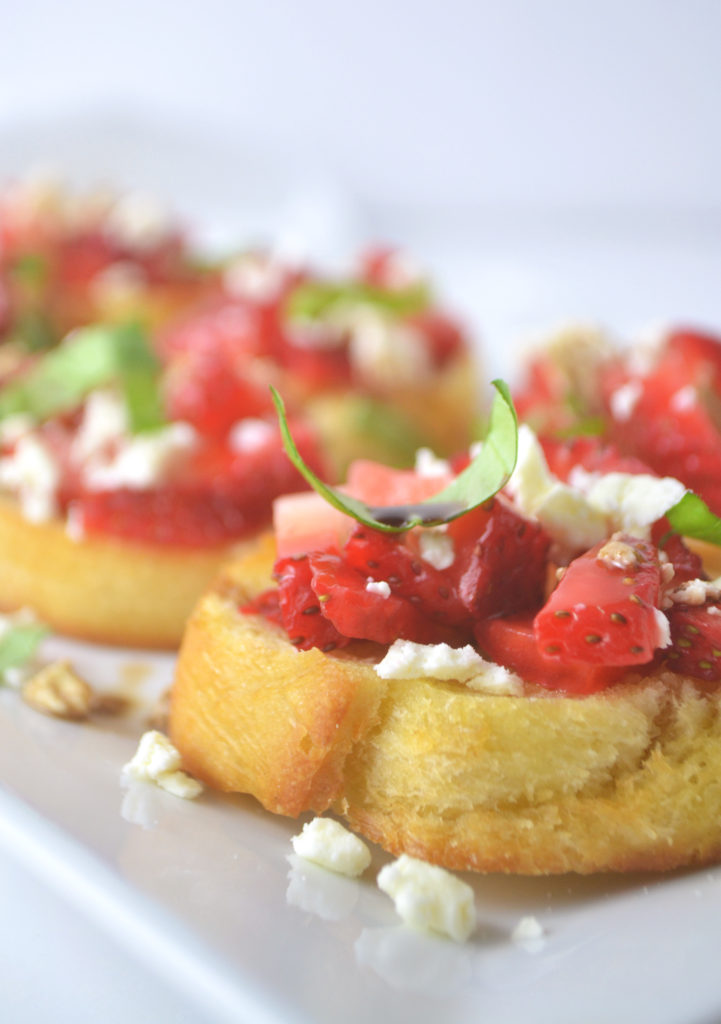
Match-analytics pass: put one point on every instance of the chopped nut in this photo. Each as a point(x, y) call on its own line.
point(109, 704)
point(59, 691)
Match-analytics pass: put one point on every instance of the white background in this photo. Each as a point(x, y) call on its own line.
point(549, 159)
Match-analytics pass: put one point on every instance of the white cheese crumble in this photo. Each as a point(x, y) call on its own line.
point(257, 277)
point(32, 473)
point(563, 510)
point(406, 659)
point(664, 629)
point(104, 422)
point(378, 587)
point(141, 461)
point(633, 501)
point(158, 761)
point(429, 897)
point(386, 354)
point(624, 399)
point(694, 592)
point(436, 547)
point(529, 932)
point(138, 221)
point(326, 842)
point(429, 465)
point(249, 435)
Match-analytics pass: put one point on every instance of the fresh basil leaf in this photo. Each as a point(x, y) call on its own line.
point(33, 331)
point(483, 478)
point(89, 358)
point(31, 270)
point(314, 300)
point(691, 517)
point(19, 644)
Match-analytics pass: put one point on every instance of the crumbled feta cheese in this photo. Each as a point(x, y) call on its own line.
point(157, 760)
point(664, 629)
point(249, 435)
point(529, 932)
point(694, 592)
point(623, 400)
point(408, 660)
point(378, 587)
point(138, 221)
point(618, 554)
point(436, 547)
point(326, 842)
point(429, 465)
point(141, 461)
point(633, 501)
point(104, 422)
point(563, 510)
point(387, 354)
point(32, 474)
point(429, 897)
point(255, 276)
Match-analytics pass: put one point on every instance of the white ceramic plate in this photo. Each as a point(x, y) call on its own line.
point(209, 895)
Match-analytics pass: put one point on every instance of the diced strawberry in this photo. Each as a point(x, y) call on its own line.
point(210, 392)
point(300, 609)
point(604, 610)
point(385, 557)
point(307, 522)
point(511, 642)
point(501, 558)
point(674, 423)
point(443, 335)
point(365, 614)
point(687, 565)
point(696, 641)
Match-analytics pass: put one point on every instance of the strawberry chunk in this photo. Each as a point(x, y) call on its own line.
point(300, 609)
point(501, 559)
point(605, 608)
point(511, 642)
point(696, 641)
point(367, 614)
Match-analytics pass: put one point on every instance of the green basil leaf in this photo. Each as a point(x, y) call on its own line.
point(691, 517)
point(314, 300)
point(31, 270)
point(89, 358)
point(483, 478)
point(19, 644)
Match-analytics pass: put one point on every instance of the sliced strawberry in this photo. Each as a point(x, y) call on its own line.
point(512, 642)
point(604, 610)
point(501, 559)
point(383, 557)
point(210, 392)
point(300, 609)
point(687, 565)
point(364, 614)
point(696, 641)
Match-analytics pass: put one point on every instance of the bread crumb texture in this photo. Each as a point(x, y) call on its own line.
point(628, 779)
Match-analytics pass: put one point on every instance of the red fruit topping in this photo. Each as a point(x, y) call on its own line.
point(511, 642)
point(696, 641)
point(604, 610)
point(300, 609)
point(501, 557)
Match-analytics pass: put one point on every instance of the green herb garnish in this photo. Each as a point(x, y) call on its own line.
point(315, 300)
point(484, 477)
point(19, 643)
point(691, 517)
point(89, 358)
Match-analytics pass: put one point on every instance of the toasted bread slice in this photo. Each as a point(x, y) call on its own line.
point(627, 779)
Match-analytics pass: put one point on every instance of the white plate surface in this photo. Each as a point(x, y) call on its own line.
point(209, 895)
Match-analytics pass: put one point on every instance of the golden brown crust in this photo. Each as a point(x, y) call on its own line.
point(544, 783)
point(101, 589)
